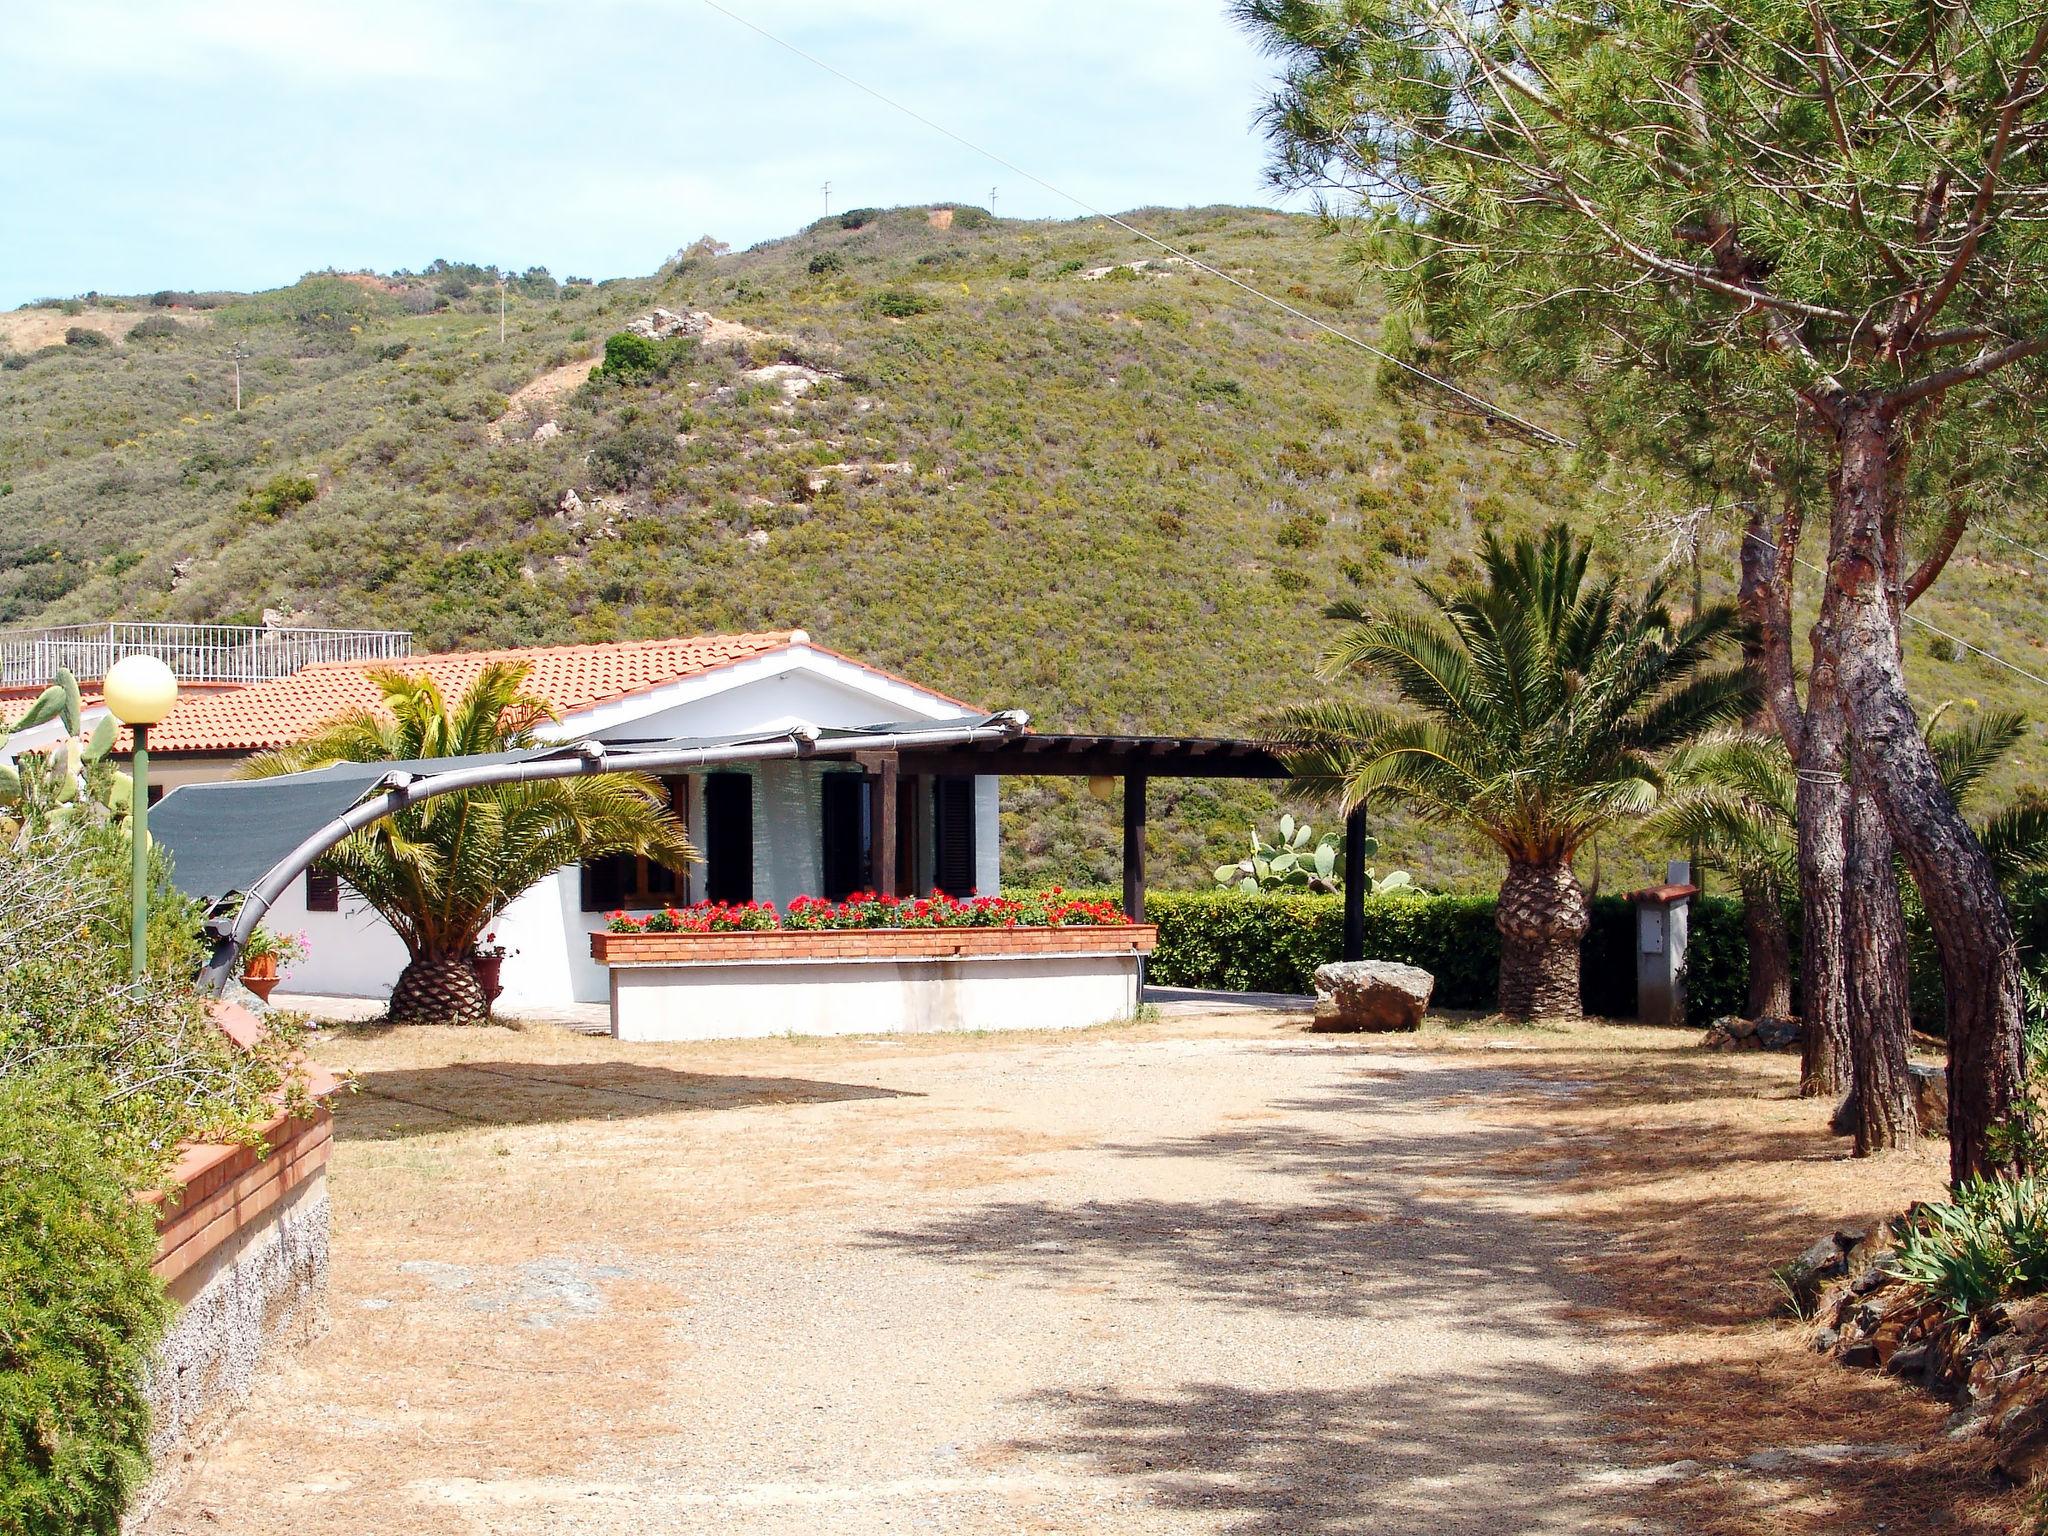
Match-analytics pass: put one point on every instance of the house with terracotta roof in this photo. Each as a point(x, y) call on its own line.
point(766, 831)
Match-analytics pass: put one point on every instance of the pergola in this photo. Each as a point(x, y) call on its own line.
point(252, 838)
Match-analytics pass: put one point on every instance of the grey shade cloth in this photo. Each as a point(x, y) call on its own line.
point(222, 838)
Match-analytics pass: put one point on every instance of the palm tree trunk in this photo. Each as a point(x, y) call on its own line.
point(1770, 953)
point(1542, 916)
point(439, 989)
point(1880, 1022)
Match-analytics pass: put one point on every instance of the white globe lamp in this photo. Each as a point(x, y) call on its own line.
point(139, 691)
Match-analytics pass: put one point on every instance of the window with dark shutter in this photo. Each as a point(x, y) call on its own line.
point(624, 880)
point(848, 835)
point(953, 836)
point(728, 837)
point(323, 891)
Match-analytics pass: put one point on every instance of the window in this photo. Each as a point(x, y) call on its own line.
point(728, 837)
point(848, 834)
point(953, 835)
point(323, 891)
point(625, 880)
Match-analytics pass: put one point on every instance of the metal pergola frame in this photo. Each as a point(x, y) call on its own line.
point(408, 788)
point(999, 745)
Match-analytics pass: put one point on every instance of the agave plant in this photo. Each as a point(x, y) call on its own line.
point(1301, 861)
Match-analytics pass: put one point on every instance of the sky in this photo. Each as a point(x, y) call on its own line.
point(237, 144)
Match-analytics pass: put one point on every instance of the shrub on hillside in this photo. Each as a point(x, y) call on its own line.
point(901, 303)
point(79, 1314)
point(631, 455)
point(277, 496)
point(85, 338)
point(634, 359)
point(155, 328)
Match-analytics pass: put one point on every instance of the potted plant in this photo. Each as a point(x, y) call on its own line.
point(265, 958)
point(488, 961)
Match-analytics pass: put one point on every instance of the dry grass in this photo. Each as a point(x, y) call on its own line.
point(1704, 1171)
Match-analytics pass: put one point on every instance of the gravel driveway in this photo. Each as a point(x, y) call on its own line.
point(1199, 1275)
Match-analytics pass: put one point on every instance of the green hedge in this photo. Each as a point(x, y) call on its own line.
point(79, 1314)
point(1242, 943)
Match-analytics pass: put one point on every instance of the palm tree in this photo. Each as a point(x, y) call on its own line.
point(440, 872)
point(1538, 703)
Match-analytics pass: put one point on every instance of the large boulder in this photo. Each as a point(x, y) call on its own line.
point(1373, 995)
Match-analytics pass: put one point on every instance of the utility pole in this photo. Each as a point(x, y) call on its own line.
point(238, 354)
point(826, 191)
point(501, 309)
point(991, 200)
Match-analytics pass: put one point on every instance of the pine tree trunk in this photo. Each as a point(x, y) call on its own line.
point(1770, 954)
point(1823, 809)
point(1880, 1021)
point(439, 989)
point(1973, 930)
point(1542, 916)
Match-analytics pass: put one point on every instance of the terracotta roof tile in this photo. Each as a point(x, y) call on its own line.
point(570, 677)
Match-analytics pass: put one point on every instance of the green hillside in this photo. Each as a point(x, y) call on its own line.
point(1116, 501)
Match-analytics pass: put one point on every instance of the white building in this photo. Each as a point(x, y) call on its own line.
point(767, 831)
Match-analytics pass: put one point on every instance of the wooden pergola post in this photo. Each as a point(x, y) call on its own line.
point(1354, 884)
point(1134, 846)
point(884, 833)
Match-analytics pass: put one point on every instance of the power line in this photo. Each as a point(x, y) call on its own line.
point(1926, 624)
point(1485, 407)
point(2015, 543)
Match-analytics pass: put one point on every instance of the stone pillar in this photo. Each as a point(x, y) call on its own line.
point(1661, 924)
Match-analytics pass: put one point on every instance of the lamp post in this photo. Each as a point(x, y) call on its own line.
point(140, 691)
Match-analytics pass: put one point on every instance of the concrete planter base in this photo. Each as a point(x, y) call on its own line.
point(883, 981)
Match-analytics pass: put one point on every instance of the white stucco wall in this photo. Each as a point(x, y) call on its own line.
point(748, 999)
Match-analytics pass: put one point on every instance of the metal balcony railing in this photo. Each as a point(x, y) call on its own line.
point(198, 653)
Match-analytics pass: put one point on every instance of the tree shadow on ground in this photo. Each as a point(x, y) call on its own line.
point(1352, 1227)
point(397, 1103)
point(1498, 1455)
point(1351, 1209)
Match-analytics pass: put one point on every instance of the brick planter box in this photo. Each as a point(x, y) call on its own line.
point(708, 986)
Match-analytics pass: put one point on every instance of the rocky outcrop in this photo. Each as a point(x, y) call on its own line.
point(1992, 1363)
point(661, 324)
point(1376, 996)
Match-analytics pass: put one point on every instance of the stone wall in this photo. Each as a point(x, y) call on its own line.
point(243, 1251)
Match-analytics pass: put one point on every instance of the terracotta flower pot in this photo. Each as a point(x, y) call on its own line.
point(259, 975)
point(488, 970)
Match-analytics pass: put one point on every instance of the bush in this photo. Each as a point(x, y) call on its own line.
point(902, 303)
point(155, 328)
point(635, 359)
point(278, 495)
point(825, 263)
point(1242, 943)
point(631, 455)
point(85, 338)
point(79, 1314)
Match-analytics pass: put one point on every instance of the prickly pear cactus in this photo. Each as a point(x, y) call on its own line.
point(60, 779)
